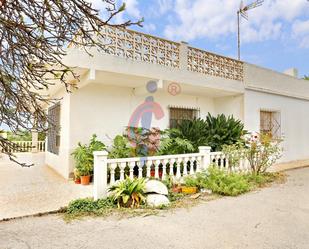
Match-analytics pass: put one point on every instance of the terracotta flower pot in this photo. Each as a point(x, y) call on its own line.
point(85, 180)
point(77, 180)
point(188, 190)
point(176, 189)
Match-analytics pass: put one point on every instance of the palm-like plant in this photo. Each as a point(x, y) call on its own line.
point(222, 130)
point(193, 131)
point(129, 192)
point(174, 142)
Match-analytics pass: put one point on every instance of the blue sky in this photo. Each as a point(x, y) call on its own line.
point(275, 36)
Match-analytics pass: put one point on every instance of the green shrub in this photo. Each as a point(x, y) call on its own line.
point(224, 183)
point(144, 142)
point(120, 148)
point(213, 131)
point(263, 179)
point(193, 131)
point(222, 130)
point(262, 151)
point(89, 206)
point(173, 143)
point(129, 192)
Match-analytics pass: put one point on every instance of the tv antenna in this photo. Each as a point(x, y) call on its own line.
point(243, 12)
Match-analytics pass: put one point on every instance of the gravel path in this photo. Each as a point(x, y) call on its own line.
point(275, 217)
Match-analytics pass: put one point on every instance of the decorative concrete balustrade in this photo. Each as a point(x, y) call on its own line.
point(27, 146)
point(136, 46)
point(108, 171)
point(212, 64)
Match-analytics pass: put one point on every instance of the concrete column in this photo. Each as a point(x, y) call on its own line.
point(205, 152)
point(183, 55)
point(100, 175)
point(35, 139)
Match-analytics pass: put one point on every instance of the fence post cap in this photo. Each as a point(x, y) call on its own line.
point(100, 153)
point(204, 148)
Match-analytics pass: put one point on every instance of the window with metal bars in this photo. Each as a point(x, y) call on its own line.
point(270, 123)
point(53, 136)
point(178, 114)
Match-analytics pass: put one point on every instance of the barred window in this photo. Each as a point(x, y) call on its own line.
point(270, 123)
point(177, 114)
point(53, 137)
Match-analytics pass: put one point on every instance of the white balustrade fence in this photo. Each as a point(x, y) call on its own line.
point(222, 161)
point(27, 146)
point(108, 171)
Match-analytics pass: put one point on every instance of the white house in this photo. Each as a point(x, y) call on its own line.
point(191, 82)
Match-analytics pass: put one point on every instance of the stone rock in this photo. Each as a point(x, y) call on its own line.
point(156, 200)
point(154, 186)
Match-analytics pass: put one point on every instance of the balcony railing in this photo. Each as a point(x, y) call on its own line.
point(137, 46)
point(208, 63)
point(140, 47)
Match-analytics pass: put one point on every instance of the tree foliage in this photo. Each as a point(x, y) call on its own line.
point(34, 36)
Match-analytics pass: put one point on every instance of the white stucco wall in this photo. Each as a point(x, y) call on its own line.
point(230, 105)
point(106, 110)
point(294, 120)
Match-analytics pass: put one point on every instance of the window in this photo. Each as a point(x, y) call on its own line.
point(177, 114)
point(270, 123)
point(53, 137)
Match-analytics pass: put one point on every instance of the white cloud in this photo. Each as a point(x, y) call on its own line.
point(132, 9)
point(149, 27)
point(165, 5)
point(217, 18)
point(300, 31)
point(301, 27)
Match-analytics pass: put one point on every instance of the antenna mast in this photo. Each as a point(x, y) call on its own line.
point(243, 12)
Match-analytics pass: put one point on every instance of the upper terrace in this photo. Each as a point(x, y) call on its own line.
point(128, 55)
point(138, 46)
point(147, 48)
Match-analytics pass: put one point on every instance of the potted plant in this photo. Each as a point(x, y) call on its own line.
point(76, 176)
point(190, 186)
point(83, 155)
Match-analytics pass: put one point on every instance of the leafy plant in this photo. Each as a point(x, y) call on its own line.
point(168, 181)
point(190, 181)
point(213, 131)
point(129, 192)
point(222, 130)
point(83, 155)
point(24, 135)
point(144, 142)
point(234, 152)
point(193, 131)
point(261, 151)
point(225, 183)
point(173, 143)
point(89, 206)
point(120, 148)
